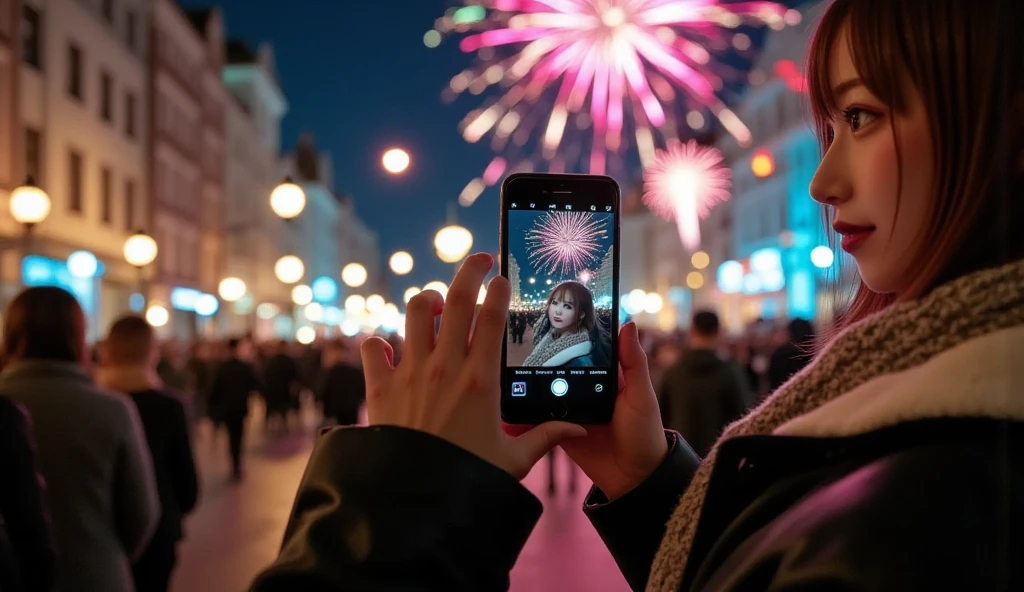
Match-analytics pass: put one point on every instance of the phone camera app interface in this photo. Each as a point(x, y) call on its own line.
point(560, 266)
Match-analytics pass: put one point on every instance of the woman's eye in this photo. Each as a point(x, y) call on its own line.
point(858, 118)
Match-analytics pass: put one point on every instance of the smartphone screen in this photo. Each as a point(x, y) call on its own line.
point(559, 250)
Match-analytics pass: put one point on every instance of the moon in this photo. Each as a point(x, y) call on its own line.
point(395, 161)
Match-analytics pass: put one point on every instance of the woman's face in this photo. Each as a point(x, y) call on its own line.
point(860, 178)
point(562, 312)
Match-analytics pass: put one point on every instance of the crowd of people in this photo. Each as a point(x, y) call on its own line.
point(96, 450)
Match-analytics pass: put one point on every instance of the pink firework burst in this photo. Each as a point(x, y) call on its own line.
point(565, 242)
point(683, 183)
point(611, 66)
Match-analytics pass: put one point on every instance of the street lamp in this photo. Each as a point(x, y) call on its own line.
point(401, 262)
point(452, 243)
point(354, 275)
point(289, 269)
point(231, 289)
point(288, 199)
point(139, 251)
point(30, 205)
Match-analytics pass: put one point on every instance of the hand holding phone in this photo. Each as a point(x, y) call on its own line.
point(443, 388)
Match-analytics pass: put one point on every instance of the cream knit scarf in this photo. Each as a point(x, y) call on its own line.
point(896, 339)
point(545, 346)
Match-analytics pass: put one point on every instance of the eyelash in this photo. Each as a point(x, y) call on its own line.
point(847, 117)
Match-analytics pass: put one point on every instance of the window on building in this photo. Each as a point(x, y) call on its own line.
point(75, 85)
point(108, 11)
point(130, 26)
point(129, 114)
point(31, 37)
point(75, 182)
point(129, 205)
point(107, 194)
point(106, 96)
point(34, 155)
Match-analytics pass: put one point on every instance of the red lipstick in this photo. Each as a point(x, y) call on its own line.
point(853, 234)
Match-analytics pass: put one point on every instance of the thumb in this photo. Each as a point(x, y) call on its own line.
point(534, 444)
point(632, 356)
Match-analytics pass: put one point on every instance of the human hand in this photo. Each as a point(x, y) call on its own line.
point(620, 455)
point(451, 386)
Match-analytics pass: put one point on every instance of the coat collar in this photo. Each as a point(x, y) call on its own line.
point(128, 379)
point(979, 378)
point(32, 369)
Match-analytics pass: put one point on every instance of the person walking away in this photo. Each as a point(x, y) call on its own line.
point(233, 382)
point(343, 389)
point(702, 393)
point(280, 381)
point(100, 486)
point(130, 367)
point(26, 541)
point(791, 357)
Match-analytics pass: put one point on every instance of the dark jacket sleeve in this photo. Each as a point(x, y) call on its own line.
point(385, 508)
point(632, 526)
point(183, 466)
point(22, 506)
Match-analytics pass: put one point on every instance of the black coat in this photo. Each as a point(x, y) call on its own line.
point(167, 434)
point(233, 382)
point(924, 505)
point(26, 543)
point(343, 390)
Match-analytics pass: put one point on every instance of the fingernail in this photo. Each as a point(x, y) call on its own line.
point(578, 432)
point(489, 260)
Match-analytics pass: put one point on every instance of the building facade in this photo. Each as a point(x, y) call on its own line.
point(83, 135)
point(186, 160)
point(253, 233)
point(775, 224)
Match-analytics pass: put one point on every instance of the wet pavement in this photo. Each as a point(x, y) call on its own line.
point(236, 530)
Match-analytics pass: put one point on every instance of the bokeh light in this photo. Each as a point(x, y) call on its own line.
point(401, 262)
point(302, 295)
point(354, 275)
point(157, 315)
point(695, 280)
point(700, 260)
point(396, 161)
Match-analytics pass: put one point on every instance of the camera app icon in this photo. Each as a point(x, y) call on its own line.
point(518, 389)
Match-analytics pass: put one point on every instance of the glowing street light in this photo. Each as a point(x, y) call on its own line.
point(439, 287)
point(354, 275)
point(395, 161)
point(157, 315)
point(305, 335)
point(355, 305)
point(653, 303)
point(302, 295)
point(822, 257)
point(452, 243)
point(289, 269)
point(231, 289)
point(401, 262)
point(375, 303)
point(288, 199)
point(140, 249)
point(29, 205)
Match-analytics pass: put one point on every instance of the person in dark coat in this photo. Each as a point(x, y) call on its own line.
point(26, 542)
point(233, 382)
point(702, 393)
point(91, 447)
point(791, 357)
point(280, 380)
point(129, 367)
point(342, 388)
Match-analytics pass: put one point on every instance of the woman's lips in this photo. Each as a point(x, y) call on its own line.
point(558, 319)
point(853, 234)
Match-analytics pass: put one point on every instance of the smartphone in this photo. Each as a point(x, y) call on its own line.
point(560, 252)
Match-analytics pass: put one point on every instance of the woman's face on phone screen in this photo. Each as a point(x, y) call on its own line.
point(562, 311)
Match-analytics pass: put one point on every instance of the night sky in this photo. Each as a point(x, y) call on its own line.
point(358, 76)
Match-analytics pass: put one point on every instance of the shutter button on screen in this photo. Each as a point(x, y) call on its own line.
point(559, 387)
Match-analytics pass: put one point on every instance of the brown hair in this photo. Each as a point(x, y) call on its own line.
point(45, 323)
point(131, 341)
point(580, 297)
point(964, 58)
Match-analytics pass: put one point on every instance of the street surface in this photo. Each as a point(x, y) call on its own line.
point(237, 528)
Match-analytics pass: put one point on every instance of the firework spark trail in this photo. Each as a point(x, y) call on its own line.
point(565, 242)
point(683, 184)
point(618, 65)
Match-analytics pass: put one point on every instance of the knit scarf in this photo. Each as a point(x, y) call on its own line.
point(896, 339)
point(545, 346)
